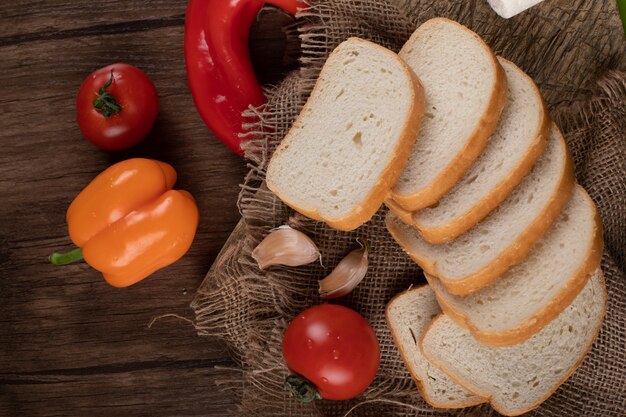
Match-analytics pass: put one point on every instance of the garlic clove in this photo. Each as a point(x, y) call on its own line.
point(346, 275)
point(285, 246)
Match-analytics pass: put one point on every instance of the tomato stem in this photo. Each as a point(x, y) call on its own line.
point(301, 388)
point(66, 258)
point(105, 102)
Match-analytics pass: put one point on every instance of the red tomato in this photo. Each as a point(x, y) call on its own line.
point(334, 348)
point(116, 107)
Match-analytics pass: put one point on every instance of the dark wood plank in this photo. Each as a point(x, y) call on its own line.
point(181, 389)
point(69, 343)
point(45, 19)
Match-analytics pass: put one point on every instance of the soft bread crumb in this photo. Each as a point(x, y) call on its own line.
point(465, 93)
point(520, 377)
point(505, 229)
point(533, 292)
point(519, 139)
point(347, 143)
point(408, 314)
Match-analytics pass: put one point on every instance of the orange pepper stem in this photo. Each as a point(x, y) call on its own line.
point(66, 258)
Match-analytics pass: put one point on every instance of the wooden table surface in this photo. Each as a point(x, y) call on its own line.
point(70, 345)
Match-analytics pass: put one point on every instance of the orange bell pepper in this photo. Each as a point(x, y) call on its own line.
point(129, 222)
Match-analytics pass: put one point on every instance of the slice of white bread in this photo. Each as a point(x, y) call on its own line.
point(506, 235)
point(466, 91)
point(518, 378)
point(352, 139)
point(404, 215)
point(408, 314)
point(519, 140)
point(534, 292)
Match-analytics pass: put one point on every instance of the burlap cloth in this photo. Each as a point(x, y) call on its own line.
point(569, 47)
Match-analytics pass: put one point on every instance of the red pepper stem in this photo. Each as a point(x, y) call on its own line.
point(66, 258)
point(301, 388)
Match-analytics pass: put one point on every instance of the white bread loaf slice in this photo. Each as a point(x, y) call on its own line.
point(466, 91)
point(506, 235)
point(352, 139)
point(408, 314)
point(534, 292)
point(402, 214)
point(518, 378)
point(519, 140)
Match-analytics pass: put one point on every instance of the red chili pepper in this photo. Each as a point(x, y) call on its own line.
point(220, 73)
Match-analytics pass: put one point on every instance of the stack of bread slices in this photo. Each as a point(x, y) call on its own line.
point(459, 145)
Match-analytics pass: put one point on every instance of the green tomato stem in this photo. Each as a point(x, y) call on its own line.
point(301, 388)
point(66, 258)
point(105, 102)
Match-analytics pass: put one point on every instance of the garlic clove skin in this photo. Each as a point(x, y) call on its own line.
point(346, 275)
point(285, 246)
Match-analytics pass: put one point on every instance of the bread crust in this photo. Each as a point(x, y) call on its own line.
point(460, 225)
point(395, 165)
point(405, 216)
point(474, 144)
point(516, 251)
point(418, 381)
point(549, 312)
point(468, 385)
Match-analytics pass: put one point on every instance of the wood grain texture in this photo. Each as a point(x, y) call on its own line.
point(69, 343)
